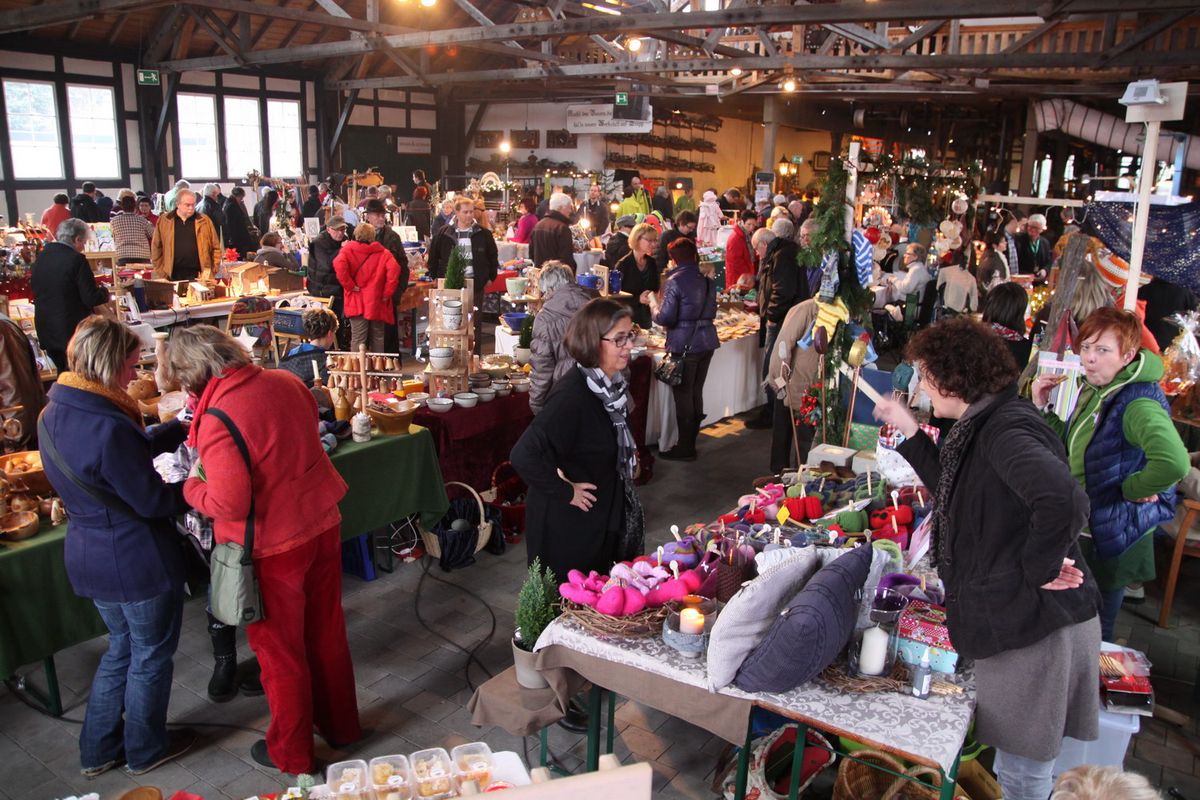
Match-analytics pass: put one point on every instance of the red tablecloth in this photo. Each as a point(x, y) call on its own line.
point(472, 441)
point(500, 282)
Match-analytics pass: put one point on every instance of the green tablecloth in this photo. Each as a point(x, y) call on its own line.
point(39, 613)
point(390, 477)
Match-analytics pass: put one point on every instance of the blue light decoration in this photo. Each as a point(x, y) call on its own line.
point(1172, 238)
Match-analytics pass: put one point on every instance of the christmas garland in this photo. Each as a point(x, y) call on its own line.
point(922, 187)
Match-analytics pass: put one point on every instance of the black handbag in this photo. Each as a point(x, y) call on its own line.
point(670, 369)
point(632, 541)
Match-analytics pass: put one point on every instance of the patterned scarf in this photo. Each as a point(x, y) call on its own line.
point(1007, 334)
point(615, 396)
point(115, 396)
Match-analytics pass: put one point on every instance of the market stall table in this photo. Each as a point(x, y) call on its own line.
point(471, 442)
point(586, 260)
point(221, 308)
point(929, 732)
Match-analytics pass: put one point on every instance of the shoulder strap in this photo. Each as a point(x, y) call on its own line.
point(248, 544)
point(101, 496)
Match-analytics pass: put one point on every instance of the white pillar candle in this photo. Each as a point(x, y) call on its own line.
point(873, 656)
point(692, 621)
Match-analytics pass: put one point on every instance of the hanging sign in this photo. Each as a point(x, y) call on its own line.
point(415, 145)
point(599, 119)
point(622, 99)
point(148, 77)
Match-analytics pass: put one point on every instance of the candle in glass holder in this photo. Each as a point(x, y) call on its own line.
point(691, 621)
point(873, 656)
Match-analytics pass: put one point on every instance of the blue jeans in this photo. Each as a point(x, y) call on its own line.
point(1023, 778)
point(1110, 606)
point(127, 708)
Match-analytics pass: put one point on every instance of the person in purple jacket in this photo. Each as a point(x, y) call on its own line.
point(687, 310)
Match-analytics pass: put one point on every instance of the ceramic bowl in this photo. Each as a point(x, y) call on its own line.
point(452, 306)
point(486, 394)
point(480, 377)
point(497, 370)
point(466, 399)
point(441, 362)
point(452, 321)
point(441, 351)
point(520, 385)
point(502, 388)
point(440, 404)
point(514, 319)
point(19, 525)
point(417, 398)
point(516, 287)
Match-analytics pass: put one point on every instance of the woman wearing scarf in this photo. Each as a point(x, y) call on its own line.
point(1004, 310)
point(292, 490)
point(122, 550)
point(1007, 519)
point(578, 456)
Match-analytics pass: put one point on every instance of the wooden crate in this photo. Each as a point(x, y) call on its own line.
point(461, 339)
point(245, 279)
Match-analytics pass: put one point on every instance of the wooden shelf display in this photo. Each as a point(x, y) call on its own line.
point(348, 374)
point(460, 338)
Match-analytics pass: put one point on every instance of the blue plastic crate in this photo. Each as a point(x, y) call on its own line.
point(288, 320)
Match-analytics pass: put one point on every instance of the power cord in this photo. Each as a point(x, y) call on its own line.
point(471, 654)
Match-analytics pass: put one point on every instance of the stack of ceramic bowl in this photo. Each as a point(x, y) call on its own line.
point(441, 357)
point(520, 385)
point(452, 314)
point(479, 380)
point(502, 388)
point(486, 393)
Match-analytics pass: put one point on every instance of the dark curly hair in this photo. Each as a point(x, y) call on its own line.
point(963, 358)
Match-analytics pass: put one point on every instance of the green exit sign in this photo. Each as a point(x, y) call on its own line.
point(797, 159)
point(148, 77)
point(622, 98)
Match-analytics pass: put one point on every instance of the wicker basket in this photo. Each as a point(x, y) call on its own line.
point(640, 625)
point(863, 778)
point(483, 531)
point(511, 514)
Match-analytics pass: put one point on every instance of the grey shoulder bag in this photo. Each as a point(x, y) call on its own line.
point(235, 598)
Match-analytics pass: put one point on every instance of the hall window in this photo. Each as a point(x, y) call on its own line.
point(197, 115)
point(283, 136)
point(91, 111)
point(243, 137)
point(33, 132)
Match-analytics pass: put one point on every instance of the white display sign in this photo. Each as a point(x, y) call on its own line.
point(312, 227)
point(415, 145)
point(599, 119)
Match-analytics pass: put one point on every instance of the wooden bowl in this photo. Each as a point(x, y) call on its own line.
point(24, 472)
point(391, 423)
point(149, 406)
point(19, 525)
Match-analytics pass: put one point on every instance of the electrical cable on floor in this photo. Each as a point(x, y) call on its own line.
point(471, 654)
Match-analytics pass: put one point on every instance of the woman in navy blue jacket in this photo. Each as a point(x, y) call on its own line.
point(687, 311)
point(122, 550)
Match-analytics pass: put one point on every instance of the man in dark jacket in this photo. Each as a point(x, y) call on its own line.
point(237, 223)
point(685, 227)
point(596, 211)
point(1035, 253)
point(481, 261)
point(312, 205)
point(64, 290)
point(551, 238)
point(375, 212)
point(618, 244)
point(210, 207)
point(322, 281)
point(83, 205)
point(781, 285)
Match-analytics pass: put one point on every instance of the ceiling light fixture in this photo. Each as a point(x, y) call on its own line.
point(429, 3)
point(789, 85)
point(735, 71)
point(634, 44)
point(505, 147)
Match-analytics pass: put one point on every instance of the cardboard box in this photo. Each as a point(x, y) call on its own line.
point(284, 280)
point(245, 278)
point(838, 456)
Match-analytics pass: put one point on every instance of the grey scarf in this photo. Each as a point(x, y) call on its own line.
point(615, 396)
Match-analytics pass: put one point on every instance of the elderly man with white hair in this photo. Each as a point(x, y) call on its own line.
point(64, 291)
point(210, 205)
point(551, 238)
point(185, 245)
point(549, 358)
point(1034, 251)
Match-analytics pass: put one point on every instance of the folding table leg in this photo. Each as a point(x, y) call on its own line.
point(743, 763)
point(949, 780)
point(595, 698)
point(612, 719)
point(797, 760)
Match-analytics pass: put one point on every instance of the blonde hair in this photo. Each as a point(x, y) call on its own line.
point(200, 353)
point(641, 231)
point(1102, 783)
point(98, 350)
point(364, 232)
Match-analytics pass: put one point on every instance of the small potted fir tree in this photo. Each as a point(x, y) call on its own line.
point(523, 351)
point(537, 606)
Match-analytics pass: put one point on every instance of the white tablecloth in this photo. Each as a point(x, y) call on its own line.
point(733, 386)
point(173, 316)
point(505, 342)
point(586, 260)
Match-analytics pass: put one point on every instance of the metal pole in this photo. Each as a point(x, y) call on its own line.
point(1141, 219)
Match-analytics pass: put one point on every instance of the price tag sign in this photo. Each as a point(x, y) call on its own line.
point(784, 515)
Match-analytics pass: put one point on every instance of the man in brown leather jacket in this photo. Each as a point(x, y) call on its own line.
point(185, 245)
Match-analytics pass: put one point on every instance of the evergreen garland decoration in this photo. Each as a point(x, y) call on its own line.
point(537, 604)
point(829, 218)
point(455, 270)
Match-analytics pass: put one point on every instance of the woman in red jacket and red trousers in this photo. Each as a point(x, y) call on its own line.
point(301, 639)
point(369, 274)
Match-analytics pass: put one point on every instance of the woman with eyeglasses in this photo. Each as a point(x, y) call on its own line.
point(578, 456)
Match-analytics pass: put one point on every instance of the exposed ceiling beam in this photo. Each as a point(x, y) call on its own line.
point(803, 62)
point(1032, 36)
point(920, 34)
point(1141, 35)
point(66, 11)
point(215, 27)
point(115, 33)
point(161, 38)
point(483, 19)
point(752, 16)
point(857, 33)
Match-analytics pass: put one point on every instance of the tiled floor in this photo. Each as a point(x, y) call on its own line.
point(412, 688)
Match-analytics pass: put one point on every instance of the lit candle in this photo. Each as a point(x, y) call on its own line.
point(873, 655)
point(691, 621)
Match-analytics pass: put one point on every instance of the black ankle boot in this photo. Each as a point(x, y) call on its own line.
point(222, 687)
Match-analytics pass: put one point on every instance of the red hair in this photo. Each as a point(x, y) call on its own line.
point(1124, 325)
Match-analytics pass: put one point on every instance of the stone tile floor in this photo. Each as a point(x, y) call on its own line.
point(413, 689)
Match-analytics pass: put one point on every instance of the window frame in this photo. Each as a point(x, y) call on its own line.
point(116, 122)
point(218, 155)
point(300, 133)
point(55, 86)
point(263, 159)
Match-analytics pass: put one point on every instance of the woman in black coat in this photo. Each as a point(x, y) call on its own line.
point(264, 210)
point(578, 456)
point(1004, 309)
point(1007, 518)
point(237, 223)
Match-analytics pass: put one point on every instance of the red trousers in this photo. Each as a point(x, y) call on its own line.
point(302, 649)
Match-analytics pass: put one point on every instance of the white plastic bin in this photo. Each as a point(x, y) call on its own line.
point(1107, 751)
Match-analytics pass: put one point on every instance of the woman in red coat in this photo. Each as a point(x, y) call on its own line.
point(369, 274)
point(293, 490)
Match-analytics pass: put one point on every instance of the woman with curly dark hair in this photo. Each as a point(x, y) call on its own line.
point(1006, 524)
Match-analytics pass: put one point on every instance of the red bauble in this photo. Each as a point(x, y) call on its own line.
point(872, 235)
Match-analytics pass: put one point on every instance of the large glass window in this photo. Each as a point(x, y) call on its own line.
point(93, 131)
point(283, 136)
point(33, 129)
point(243, 137)
point(197, 115)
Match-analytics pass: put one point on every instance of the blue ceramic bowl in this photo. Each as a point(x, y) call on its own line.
point(513, 319)
point(589, 281)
